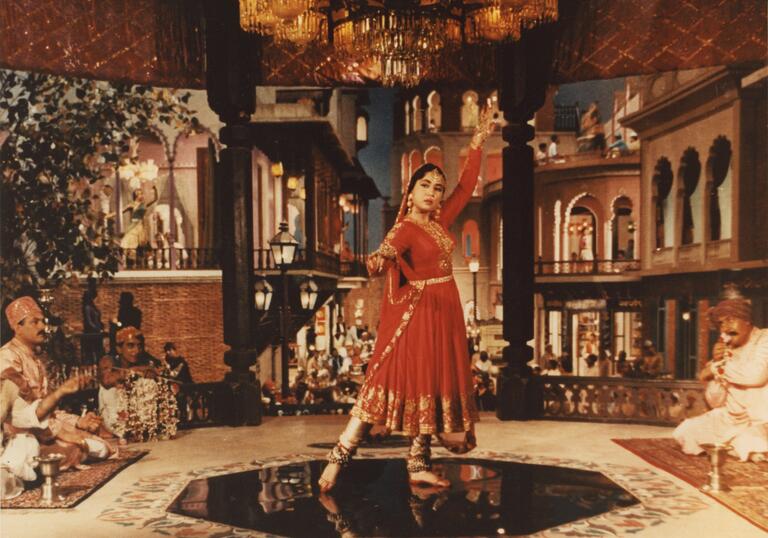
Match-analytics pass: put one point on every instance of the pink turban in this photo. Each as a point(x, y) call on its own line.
point(736, 308)
point(20, 309)
point(126, 334)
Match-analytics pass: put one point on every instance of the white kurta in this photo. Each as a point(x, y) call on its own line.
point(19, 454)
point(742, 418)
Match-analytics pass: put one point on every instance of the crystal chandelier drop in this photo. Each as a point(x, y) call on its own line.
point(403, 36)
point(403, 42)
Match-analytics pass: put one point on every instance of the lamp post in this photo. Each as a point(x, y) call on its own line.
point(283, 247)
point(474, 267)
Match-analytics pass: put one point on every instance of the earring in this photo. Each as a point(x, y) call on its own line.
point(436, 213)
point(409, 203)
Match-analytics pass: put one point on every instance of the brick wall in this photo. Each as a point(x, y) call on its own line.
point(185, 311)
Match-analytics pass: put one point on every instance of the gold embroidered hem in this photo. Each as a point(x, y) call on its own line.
point(425, 414)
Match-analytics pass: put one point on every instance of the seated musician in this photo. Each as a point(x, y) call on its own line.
point(737, 386)
point(68, 434)
point(135, 402)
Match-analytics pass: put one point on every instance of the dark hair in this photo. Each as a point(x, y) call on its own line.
point(553, 138)
point(126, 299)
point(543, 145)
point(169, 346)
point(422, 171)
point(483, 355)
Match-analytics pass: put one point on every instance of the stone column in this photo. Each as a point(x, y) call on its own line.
point(233, 69)
point(523, 76)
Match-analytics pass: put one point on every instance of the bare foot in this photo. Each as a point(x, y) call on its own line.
point(428, 477)
point(328, 478)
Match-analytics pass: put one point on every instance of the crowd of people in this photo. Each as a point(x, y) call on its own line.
point(647, 365)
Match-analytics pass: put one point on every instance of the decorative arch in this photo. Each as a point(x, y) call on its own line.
point(718, 172)
point(414, 161)
point(434, 112)
point(417, 115)
point(621, 229)
point(590, 203)
point(361, 128)
point(689, 172)
point(556, 230)
point(661, 183)
point(405, 171)
point(434, 155)
point(470, 239)
point(407, 111)
point(470, 110)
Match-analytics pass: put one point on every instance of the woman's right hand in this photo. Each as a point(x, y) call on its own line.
point(375, 264)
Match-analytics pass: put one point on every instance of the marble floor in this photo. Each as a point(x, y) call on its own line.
point(134, 502)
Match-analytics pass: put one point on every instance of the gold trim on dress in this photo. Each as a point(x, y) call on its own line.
point(415, 416)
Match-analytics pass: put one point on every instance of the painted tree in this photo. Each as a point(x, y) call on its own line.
point(62, 135)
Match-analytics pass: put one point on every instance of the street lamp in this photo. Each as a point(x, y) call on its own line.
point(474, 267)
point(283, 247)
point(262, 294)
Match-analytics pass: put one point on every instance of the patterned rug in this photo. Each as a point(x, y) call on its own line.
point(76, 486)
point(748, 481)
point(143, 507)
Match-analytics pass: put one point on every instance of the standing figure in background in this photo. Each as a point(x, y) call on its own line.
point(92, 342)
point(737, 386)
point(177, 365)
point(418, 380)
point(136, 233)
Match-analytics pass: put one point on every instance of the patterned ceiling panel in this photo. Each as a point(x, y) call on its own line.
point(161, 42)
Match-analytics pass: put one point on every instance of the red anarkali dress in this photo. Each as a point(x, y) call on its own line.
point(419, 379)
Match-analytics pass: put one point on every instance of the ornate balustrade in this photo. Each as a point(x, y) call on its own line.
point(660, 402)
point(159, 259)
point(205, 404)
point(586, 267)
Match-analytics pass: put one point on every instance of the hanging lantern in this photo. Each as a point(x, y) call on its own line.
point(262, 294)
point(308, 293)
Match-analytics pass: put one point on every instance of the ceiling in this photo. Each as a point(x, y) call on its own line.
point(162, 42)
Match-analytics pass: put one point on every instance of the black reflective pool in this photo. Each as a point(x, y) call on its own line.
point(374, 498)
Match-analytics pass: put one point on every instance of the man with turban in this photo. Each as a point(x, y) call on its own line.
point(737, 386)
point(66, 433)
point(133, 401)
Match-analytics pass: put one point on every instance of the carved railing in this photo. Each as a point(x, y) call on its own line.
point(586, 267)
point(600, 399)
point(159, 259)
point(205, 404)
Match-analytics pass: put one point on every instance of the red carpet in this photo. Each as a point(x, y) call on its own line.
point(748, 481)
point(76, 486)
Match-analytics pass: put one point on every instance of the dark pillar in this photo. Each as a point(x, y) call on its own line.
point(233, 65)
point(523, 76)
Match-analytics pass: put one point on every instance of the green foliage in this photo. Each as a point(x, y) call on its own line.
point(63, 135)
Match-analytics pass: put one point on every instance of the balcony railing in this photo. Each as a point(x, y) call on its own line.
point(567, 118)
point(586, 267)
point(661, 402)
point(159, 259)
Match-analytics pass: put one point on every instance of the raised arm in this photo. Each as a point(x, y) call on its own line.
point(461, 195)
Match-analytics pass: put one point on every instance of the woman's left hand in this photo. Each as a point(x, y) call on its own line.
point(485, 126)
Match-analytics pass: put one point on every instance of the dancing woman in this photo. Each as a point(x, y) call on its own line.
point(418, 380)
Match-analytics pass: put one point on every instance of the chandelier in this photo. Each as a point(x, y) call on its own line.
point(403, 36)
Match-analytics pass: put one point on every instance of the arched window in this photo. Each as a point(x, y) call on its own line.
point(407, 118)
point(361, 132)
point(434, 155)
point(415, 161)
point(622, 240)
point(469, 110)
point(417, 115)
point(405, 173)
point(689, 172)
point(718, 180)
point(662, 186)
point(434, 112)
point(470, 239)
